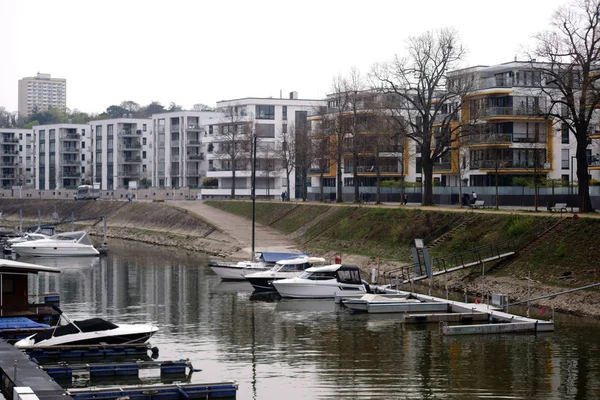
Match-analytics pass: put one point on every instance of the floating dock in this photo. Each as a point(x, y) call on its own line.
point(430, 309)
point(79, 352)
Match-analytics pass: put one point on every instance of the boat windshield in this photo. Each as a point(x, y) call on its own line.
point(348, 276)
point(291, 267)
point(318, 275)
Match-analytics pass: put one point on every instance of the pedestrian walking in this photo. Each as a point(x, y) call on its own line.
point(474, 196)
point(282, 196)
point(405, 199)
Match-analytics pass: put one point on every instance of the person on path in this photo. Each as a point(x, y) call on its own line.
point(405, 199)
point(282, 196)
point(474, 196)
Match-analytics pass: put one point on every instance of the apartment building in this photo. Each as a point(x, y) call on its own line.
point(370, 147)
point(15, 157)
point(122, 154)
point(40, 93)
point(178, 153)
point(229, 144)
point(510, 134)
point(62, 156)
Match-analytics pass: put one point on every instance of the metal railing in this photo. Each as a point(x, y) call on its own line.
point(505, 164)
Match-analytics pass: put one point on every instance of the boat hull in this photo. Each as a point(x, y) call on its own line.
point(125, 334)
point(235, 272)
point(52, 251)
point(264, 284)
point(298, 289)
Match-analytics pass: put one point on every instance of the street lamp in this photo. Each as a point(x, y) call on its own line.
point(571, 199)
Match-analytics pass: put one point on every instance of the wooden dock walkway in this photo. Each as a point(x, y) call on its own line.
point(17, 370)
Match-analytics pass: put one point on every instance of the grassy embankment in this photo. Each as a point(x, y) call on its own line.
point(154, 223)
point(565, 257)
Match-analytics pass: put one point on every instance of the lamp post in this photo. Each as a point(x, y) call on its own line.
point(253, 192)
point(571, 199)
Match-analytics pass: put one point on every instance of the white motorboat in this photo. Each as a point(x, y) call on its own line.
point(93, 331)
point(42, 232)
point(386, 303)
point(323, 282)
point(67, 244)
point(264, 262)
point(282, 269)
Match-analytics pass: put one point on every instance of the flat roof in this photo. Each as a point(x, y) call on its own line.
point(7, 266)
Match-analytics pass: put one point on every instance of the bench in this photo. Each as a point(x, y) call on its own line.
point(478, 204)
point(559, 207)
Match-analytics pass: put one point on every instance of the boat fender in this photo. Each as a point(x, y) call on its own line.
point(154, 351)
point(183, 393)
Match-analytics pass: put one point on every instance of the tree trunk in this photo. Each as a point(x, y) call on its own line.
point(427, 181)
point(339, 198)
point(233, 180)
point(460, 195)
point(583, 184)
point(321, 187)
point(357, 198)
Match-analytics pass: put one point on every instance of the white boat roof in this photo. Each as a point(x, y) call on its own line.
point(326, 268)
point(79, 236)
point(299, 260)
point(7, 266)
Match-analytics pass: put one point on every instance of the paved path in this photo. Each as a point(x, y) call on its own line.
point(239, 229)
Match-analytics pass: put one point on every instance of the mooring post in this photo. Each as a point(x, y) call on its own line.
point(39, 218)
point(104, 220)
point(15, 375)
point(21, 220)
point(466, 297)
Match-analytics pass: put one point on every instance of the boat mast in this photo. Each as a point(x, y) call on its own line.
point(253, 190)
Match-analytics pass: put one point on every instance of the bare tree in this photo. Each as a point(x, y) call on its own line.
point(201, 107)
point(323, 152)
point(338, 106)
point(234, 140)
point(286, 151)
point(569, 53)
point(267, 163)
point(425, 99)
point(304, 155)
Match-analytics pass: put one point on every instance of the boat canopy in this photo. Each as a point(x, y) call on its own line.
point(78, 236)
point(86, 325)
point(273, 257)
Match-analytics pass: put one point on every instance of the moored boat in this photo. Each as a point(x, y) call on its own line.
point(238, 271)
point(282, 269)
point(67, 244)
point(323, 282)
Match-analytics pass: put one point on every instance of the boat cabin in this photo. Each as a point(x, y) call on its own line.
point(15, 299)
point(342, 273)
point(270, 257)
point(297, 264)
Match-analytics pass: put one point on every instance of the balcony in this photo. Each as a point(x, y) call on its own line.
point(70, 162)
point(493, 112)
point(442, 166)
point(131, 160)
point(195, 156)
point(70, 149)
point(130, 132)
point(128, 174)
point(371, 169)
point(70, 136)
point(315, 171)
point(161, 129)
point(10, 141)
point(9, 153)
point(71, 174)
point(130, 146)
point(194, 143)
point(8, 164)
point(505, 138)
point(504, 164)
point(174, 143)
point(194, 127)
point(194, 173)
point(174, 128)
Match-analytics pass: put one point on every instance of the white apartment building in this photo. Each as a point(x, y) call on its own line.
point(122, 153)
point(15, 157)
point(63, 156)
point(178, 153)
point(40, 93)
point(268, 118)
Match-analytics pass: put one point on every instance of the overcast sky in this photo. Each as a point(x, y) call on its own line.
point(204, 51)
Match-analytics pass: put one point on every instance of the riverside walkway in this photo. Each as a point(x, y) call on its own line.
point(239, 229)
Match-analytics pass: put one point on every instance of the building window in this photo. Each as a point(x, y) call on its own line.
point(144, 141)
point(265, 130)
point(144, 127)
point(284, 113)
point(284, 128)
point(83, 145)
point(565, 133)
point(565, 178)
point(20, 136)
point(265, 112)
point(565, 159)
point(83, 157)
point(83, 132)
point(144, 155)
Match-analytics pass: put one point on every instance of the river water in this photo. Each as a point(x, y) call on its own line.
point(305, 349)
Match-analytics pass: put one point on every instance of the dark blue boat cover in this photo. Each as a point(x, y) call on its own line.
point(273, 257)
point(19, 323)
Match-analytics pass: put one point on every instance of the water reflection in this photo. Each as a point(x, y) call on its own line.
point(307, 349)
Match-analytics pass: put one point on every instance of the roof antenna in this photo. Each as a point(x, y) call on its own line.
point(280, 94)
